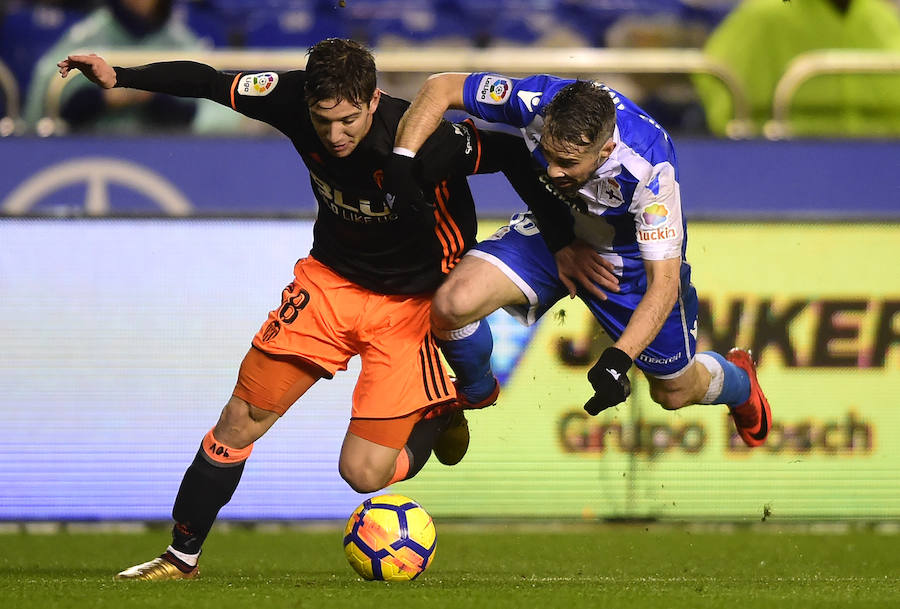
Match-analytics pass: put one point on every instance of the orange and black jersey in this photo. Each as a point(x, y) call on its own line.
point(357, 233)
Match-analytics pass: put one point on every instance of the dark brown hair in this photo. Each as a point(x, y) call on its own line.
point(580, 114)
point(340, 69)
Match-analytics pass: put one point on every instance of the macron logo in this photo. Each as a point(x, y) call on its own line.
point(613, 373)
point(530, 99)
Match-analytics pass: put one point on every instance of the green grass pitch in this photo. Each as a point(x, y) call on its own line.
point(483, 566)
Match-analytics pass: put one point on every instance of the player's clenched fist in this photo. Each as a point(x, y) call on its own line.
point(92, 66)
point(401, 183)
point(609, 378)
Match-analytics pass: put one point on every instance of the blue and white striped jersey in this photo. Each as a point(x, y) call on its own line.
point(630, 210)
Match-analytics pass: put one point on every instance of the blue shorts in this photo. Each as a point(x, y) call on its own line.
point(519, 251)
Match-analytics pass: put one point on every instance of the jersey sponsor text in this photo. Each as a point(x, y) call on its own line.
point(657, 234)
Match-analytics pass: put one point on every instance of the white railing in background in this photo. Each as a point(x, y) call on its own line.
point(583, 62)
point(11, 123)
point(817, 63)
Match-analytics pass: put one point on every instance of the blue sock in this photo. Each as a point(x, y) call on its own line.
point(735, 385)
point(468, 351)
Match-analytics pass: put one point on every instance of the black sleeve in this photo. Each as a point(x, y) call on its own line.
point(276, 102)
point(453, 149)
point(462, 148)
point(179, 78)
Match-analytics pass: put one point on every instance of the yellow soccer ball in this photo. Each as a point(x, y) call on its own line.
point(389, 538)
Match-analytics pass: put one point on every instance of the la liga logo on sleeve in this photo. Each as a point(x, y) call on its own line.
point(494, 90)
point(257, 85)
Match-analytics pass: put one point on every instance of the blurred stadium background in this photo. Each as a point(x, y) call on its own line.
point(136, 263)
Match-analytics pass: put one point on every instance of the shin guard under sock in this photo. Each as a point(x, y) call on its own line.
point(468, 351)
point(207, 486)
point(728, 384)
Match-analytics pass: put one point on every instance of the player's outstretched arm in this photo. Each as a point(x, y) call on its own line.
point(439, 93)
point(94, 68)
point(178, 78)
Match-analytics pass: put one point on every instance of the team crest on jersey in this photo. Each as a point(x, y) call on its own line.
point(257, 85)
point(494, 90)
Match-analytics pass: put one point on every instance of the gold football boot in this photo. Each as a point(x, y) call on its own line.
point(157, 569)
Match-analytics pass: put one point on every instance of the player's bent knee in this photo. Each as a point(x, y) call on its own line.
point(363, 479)
point(450, 309)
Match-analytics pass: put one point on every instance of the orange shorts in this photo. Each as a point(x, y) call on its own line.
point(275, 382)
point(325, 319)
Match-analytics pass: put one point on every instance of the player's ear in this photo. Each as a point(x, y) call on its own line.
point(607, 149)
point(373, 103)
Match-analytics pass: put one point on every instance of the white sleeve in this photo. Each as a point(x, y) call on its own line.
point(656, 206)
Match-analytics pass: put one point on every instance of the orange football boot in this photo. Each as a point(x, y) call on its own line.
point(753, 418)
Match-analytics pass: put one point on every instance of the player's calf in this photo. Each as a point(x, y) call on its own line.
point(207, 486)
point(670, 400)
point(686, 388)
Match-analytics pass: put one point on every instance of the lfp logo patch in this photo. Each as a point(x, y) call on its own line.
point(258, 85)
point(494, 90)
point(499, 90)
point(655, 215)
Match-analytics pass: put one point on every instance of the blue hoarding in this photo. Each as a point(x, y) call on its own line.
point(815, 180)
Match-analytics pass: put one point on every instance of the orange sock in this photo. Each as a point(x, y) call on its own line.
point(401, 467)
point(221, 455)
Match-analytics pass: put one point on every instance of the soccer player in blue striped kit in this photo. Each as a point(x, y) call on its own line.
point(616, 169)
